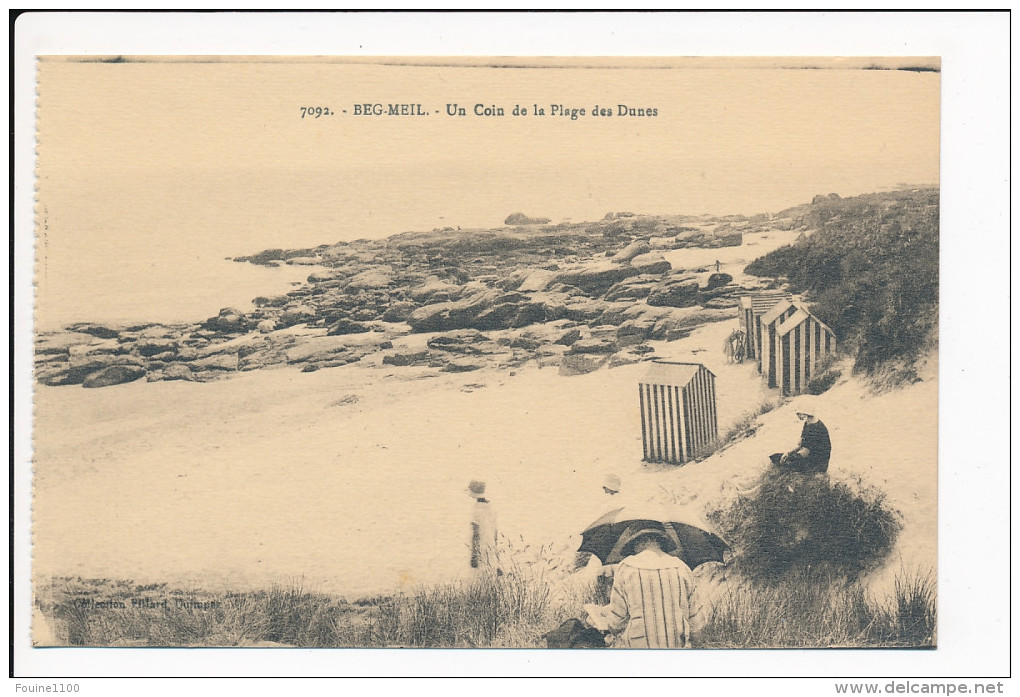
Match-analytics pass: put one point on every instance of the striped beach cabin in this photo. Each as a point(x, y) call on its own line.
point(678, 412)
point(752, 307)
point(793, 341)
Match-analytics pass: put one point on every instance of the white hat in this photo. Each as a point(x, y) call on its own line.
point(612, 482)
point(805, 404)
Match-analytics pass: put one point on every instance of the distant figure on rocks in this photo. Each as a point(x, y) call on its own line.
point(717, 265)
point(812, 454)
point(483, 528)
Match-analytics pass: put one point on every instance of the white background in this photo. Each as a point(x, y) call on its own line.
point(974, 468)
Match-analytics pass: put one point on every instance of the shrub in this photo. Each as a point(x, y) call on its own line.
point(871, 270)
point(796, 522)
point(814, 608)
point(825, 376)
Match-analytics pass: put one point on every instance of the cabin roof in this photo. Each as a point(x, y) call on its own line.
point(777, 311)
point(763, 302)
point(672, 373)
point(796, 319)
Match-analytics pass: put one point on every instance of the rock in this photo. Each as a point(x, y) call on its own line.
point(321, 276)
point(633, 288)
point(96, 330)
point(433, 287)
point(266, 326)
point(584, 310)
point(346, 326)
point(525, 343)
point(219, 361)
point(675, 292)
point(535, 280)
point(581, 364)
point(334, 361)
point(521, 219)
point(617, 361)
point(304, 261)
point(228, 320)
point(634, 331)
point(569, 337)
point(462, 314)
point(597, 345)
point(651, 263)
point(114, 375)
point(718, 279)
point(596, 281)
point(461, 367)
point(59, 344)
point(398, 312)
point(634, 249)
point(154, 347)
point(465, 342)
point(380, 277)
point(406, 359)
point(297, 314)
point(721, 303)
point(178, 371)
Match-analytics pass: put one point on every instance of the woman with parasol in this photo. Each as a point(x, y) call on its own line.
point(650, 604)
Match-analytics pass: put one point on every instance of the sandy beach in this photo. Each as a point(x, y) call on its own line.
point(351, 479)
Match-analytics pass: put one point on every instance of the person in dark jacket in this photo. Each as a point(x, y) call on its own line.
point(812, 454)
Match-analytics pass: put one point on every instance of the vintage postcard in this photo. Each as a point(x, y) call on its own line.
point(424, 353)
point(477, 353)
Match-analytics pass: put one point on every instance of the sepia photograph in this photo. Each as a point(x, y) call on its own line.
point(478, 352)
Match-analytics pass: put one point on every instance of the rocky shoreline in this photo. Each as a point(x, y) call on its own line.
point(580, 296)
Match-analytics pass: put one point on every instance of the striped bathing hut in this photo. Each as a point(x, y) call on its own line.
point(752, 307)
point(793, 341)
point(678, 414)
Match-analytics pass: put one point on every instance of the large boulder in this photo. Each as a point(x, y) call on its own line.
point(468, 342)
point(651, 263)
point(675, 292)
point(521, 219)
point(96, 330)
point(581, 363)
point(228, 320)
point(178, 371)
point(296, 314)
point(597, 280)
point(398, 312)
point(114, 375)
point(346, 326)
point(568, 339)
point(154, 347)
point(717, 280)
point(380, 277)
point(461, 314)
point(597, 345)
point(435, 290)
point(632, 250)
point(219, 361)
point(634, 288)
point(461, 367)
point(407, 359)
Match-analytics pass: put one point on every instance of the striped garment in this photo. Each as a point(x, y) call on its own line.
point(650, 606)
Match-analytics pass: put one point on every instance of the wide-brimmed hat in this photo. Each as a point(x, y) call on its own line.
point(611, 482)
point(628, 542)
point(476, 488)
point(805, 404)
